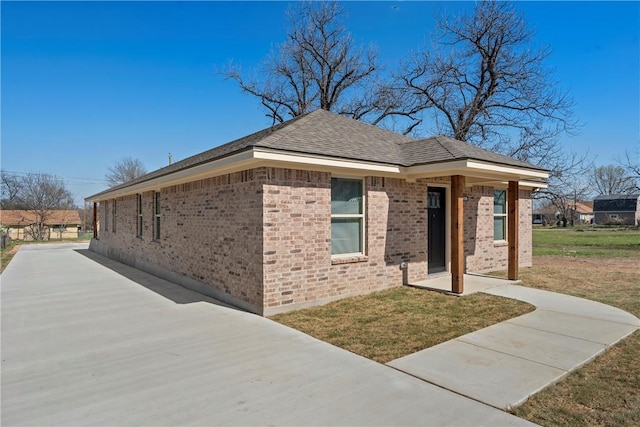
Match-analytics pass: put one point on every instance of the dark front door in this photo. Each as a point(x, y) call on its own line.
point(436, 209)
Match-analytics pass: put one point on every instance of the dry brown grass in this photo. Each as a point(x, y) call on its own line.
point(606, 392)
point(390, 324)
point(7, 255)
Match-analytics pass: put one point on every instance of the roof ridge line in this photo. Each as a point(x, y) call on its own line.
point(437, 138)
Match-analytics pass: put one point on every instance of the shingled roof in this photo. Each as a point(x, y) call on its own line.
point(23, 217)
point(323, 133)
point(440, 149)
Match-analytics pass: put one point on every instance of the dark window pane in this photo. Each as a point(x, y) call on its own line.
point(346, 196)
point(499, 223)
point(500, 201)
point(346, 236)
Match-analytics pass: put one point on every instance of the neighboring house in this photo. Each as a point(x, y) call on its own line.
point(318, 208)
point(583, 211)
point(617, 209)
point(576, 212)
point(60, 224)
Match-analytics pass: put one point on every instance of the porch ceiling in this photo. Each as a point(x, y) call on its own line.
point(481, 173)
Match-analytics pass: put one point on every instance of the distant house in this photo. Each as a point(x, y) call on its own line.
point(576, 212)
point(581, 211)
point(617, 209)
point(60, 224)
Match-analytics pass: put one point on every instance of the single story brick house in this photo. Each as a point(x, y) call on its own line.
point(318, 208)
point(59, 224)
point(617, 209)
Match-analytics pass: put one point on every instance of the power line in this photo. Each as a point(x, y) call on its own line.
point(87, 180)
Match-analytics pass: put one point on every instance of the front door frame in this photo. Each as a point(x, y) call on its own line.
point(447, 224)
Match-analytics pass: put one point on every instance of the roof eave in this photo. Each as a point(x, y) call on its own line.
point(481, 172)
point(477, 171)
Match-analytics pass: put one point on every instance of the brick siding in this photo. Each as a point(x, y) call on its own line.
point(210, 232)
point(263, 236)
point(482, 253)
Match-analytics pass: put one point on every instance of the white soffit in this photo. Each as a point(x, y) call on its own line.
point(310, 161)
point(477, 171)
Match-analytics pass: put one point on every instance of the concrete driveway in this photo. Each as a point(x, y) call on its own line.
point(87, 341)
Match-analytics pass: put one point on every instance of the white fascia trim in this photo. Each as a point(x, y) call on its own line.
point(533, 184)
point(510, 170)
point(475, 168)
point(235, 162)
point(323, 163)
point(275, 158)
point(250, 159)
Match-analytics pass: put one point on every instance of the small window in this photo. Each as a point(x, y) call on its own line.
point(347, 216)
point(106, 216)
point(114, 217)
point(156, 217)
point(433, 200)
point(499, 215)
point(139, 216)
point(614, 216)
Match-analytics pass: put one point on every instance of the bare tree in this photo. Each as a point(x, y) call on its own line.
point(124, 170)
point(41, 194)
point(10, 187)
point(631, 164)
point(486, 84)
point(320, 66)
point(612, 179)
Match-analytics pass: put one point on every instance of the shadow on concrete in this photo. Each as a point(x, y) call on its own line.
point(162, 287)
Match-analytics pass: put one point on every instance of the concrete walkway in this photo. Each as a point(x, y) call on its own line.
point(504, 364)
point(87, 341)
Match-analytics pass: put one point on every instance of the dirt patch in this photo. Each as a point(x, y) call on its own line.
point(612, 265)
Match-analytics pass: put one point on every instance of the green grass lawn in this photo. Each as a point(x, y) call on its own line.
point(587, 242)
point(386, 325)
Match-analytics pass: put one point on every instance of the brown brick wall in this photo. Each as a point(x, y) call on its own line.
point(211, 232)
point(271, 227)
point(482, 254)
point(299, 270)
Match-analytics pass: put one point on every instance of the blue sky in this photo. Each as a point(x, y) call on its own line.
point(87, 83)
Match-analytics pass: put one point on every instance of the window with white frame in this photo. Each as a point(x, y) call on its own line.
point(139, 215)
point(499, 215)
point(156, 216)
point(347, 216)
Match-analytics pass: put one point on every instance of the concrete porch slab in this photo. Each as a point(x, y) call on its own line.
point(473, 283)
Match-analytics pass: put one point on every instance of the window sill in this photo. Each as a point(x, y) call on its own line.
point(349, 259)
point(500, 243)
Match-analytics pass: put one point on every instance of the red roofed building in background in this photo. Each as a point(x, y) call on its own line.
point(58, 224)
